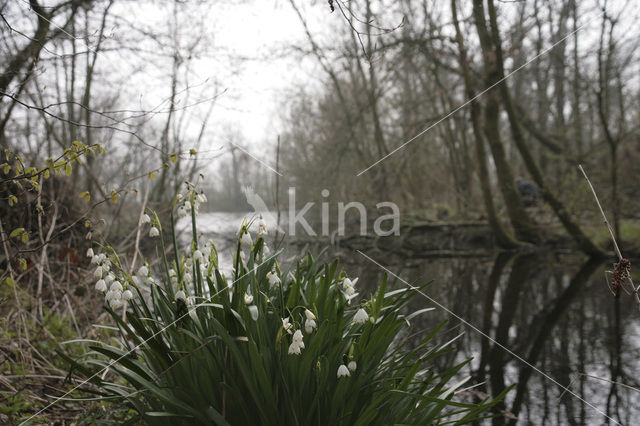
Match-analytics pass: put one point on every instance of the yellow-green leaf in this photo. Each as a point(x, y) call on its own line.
point(6, 168)
point(23, 264)
point(67, 169)
point(114, 196)
point(17, 232)
point(173, 157)
point(193, 152)
point(152, 175)
point(10, 281)
point(12, 200)
point(86, 196)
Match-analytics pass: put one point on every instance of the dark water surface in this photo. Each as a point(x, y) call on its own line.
point(551, 321)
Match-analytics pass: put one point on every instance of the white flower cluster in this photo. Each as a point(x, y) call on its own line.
point(198, 257)
point(348, 288)
point(346, 370)
point(185, 203)
point(154, 231)
point(115, 293)
point(297, 344)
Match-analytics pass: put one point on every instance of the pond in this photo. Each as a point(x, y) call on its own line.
point(543, 322)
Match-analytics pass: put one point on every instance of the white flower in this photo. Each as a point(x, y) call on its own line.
point(115, 303)
point(201, 198)
point(145, 218)
point(310, 315)
point(273, 278)
point(101, 286)
point(187, 277)
point(361, 316)
point(197, 255)
point(109, 278)
point(172, 273)
point(98, 272)
point(343, 371)
point(294, 348)
point(266, 249)
point(154, 232)
point(182, 212)
point(116, 286)
point(245, 238)
point(90, 253)
point(143, 271)
point(262, 227)
point(349, 291)
point(243, 256)
point(127, 295)
point(297, 337)
point(95, 259)
point(286, 325)
point(181, 296)
point(253, 311)
point(136, 280)
point(309, 325)
point(352, 366)
point(111, 295)
point(248, 299)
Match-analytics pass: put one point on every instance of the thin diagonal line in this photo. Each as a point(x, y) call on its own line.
point(255, 158)
point(59, 27)
point(473, 327)
point(425, 130)
point(143, 342)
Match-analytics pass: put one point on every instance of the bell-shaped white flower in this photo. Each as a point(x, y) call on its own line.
point(248, 299)
point(309, 325)
point(101, 286)
point(294, 348)
point(136, 280)
point(98, 272)
point(109, 278)
point(145, 218)
point(310, 315)
point(253, 311)
point(352, 366)
point(187, 277)
point(245, 239)
point(343, 371)
point(127, 295)
point(115, 286)
point(95, 259)
point(273, 278)
point(361, 316)
point(115, 303)
point(286, 325)
point(197, 255)
point(90, 252)
point(201, 198)
point(154, 232)
point(262, 227)
point(143, 271)
point(181, 296)
point(172, 272)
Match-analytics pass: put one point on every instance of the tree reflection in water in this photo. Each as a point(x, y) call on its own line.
point(554, 311)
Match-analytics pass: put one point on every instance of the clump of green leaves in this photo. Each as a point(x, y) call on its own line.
point(243, 350)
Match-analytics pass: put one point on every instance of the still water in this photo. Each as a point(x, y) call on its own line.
point(545, 323)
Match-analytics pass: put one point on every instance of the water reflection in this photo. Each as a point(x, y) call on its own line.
point(552, 311)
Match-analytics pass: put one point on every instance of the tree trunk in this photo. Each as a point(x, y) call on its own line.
point(574, 230)
point(502, 237)
point(523, 226)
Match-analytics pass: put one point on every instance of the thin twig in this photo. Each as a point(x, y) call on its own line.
point(613, 238)
point(606, 222)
